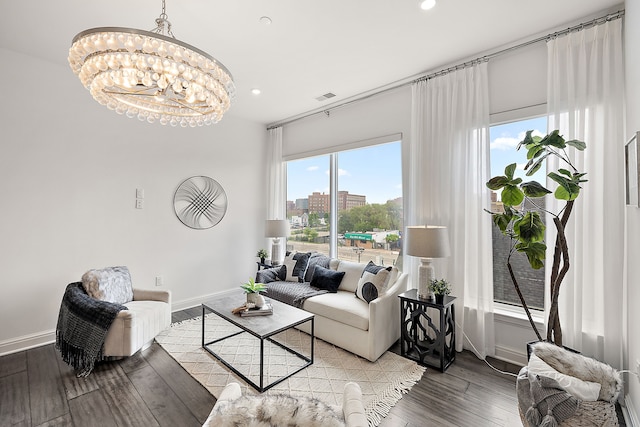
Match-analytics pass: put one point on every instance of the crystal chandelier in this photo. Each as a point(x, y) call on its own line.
point(152, 75)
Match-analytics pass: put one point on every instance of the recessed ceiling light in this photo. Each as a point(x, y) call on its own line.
point(427, 4)
point(265, 20)
point(256, 91)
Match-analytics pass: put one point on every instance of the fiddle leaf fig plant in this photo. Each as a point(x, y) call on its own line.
point(521, 218)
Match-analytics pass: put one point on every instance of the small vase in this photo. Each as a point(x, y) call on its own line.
point(439, 299)
point(262, 260)
point(255, 298)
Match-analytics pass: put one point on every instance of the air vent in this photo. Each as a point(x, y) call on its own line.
point(325, 96)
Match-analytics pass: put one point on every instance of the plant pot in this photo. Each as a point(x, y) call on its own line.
point(262, 260)
point(439, 299)
point(255, 298)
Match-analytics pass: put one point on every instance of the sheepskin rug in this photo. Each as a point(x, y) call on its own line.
point(275, 410)
point(585, 368)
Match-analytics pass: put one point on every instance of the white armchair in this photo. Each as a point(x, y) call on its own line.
point(352, 407)
point(135, 328)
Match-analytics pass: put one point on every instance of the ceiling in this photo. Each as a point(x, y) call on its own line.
point(346, 47)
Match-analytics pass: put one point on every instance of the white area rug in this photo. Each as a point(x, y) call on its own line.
point(383, 382)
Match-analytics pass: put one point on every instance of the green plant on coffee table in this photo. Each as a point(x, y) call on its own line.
point(440, 287)
point(262, 254)
point(521, 220)
point(251, 287)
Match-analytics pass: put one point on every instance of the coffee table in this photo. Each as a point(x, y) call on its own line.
point(262, 327)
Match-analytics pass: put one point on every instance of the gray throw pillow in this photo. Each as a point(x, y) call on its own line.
point(112, 284)
point(271, 274)
point(315, 259)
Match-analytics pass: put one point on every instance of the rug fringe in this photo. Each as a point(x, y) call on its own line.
point(380, 407)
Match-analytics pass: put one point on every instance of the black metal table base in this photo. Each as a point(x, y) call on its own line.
point(261, 387)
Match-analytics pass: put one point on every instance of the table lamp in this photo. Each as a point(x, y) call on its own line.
point(427, 242)
point(276, 228)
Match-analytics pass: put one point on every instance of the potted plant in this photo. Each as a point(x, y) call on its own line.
point(522, 222)
point(262, 254)
point(440, 288)
point(253, 289)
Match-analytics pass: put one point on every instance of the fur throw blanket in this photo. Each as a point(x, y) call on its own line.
point(584, 368)
point(274, 410)
point(83, 323)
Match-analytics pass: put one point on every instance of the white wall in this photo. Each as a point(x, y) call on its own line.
point(69, 169)
point(632, 62)
point(385, 114)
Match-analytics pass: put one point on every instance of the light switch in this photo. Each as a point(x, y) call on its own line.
point(139, 193)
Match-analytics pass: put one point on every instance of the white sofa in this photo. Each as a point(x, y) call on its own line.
point(366, 329)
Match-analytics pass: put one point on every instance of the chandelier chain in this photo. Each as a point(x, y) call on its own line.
point(163, 26)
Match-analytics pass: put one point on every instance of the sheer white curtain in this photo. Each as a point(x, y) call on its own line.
point(449, 166)
point(586, 102)
point(276, 190)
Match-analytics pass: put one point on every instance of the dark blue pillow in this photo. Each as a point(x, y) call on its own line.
point(325, 278)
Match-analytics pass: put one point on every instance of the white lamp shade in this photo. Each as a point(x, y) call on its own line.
point(276, 228)
point(427, 241)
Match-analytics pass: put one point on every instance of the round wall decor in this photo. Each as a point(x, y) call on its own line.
point(200, 202)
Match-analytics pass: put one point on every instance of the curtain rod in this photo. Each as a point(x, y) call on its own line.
point(597, 21)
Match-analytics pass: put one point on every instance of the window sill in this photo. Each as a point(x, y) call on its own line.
point(506, 312)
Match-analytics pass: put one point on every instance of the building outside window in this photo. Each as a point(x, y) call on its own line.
point(369, 203)
point(504, 140)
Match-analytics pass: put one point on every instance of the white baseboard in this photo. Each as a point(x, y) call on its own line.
point(511, 356)
point(26, 342)
point(193, 302)
point(631, 415)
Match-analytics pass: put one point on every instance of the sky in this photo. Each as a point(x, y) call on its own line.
point(504, 140)
point(375, 172)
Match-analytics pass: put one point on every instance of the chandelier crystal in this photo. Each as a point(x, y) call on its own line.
point(152, 75)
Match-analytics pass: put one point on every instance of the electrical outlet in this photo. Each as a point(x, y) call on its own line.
point(139, 203)
point(158, 280)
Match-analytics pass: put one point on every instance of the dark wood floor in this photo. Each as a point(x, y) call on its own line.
point(151, 389)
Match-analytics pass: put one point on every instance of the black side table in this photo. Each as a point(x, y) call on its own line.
point(264, 265)
point(422, 340)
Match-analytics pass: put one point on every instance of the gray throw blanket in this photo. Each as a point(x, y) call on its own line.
point(293, 294)
point(543, 401)
point(83, 323)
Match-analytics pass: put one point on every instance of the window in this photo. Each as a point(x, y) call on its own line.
point(369, 203)
point(504, 140)
point(308, 205)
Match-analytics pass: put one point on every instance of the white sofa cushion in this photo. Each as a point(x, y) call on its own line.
point(353, 272)
point(136, 326)
point(342, 307)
